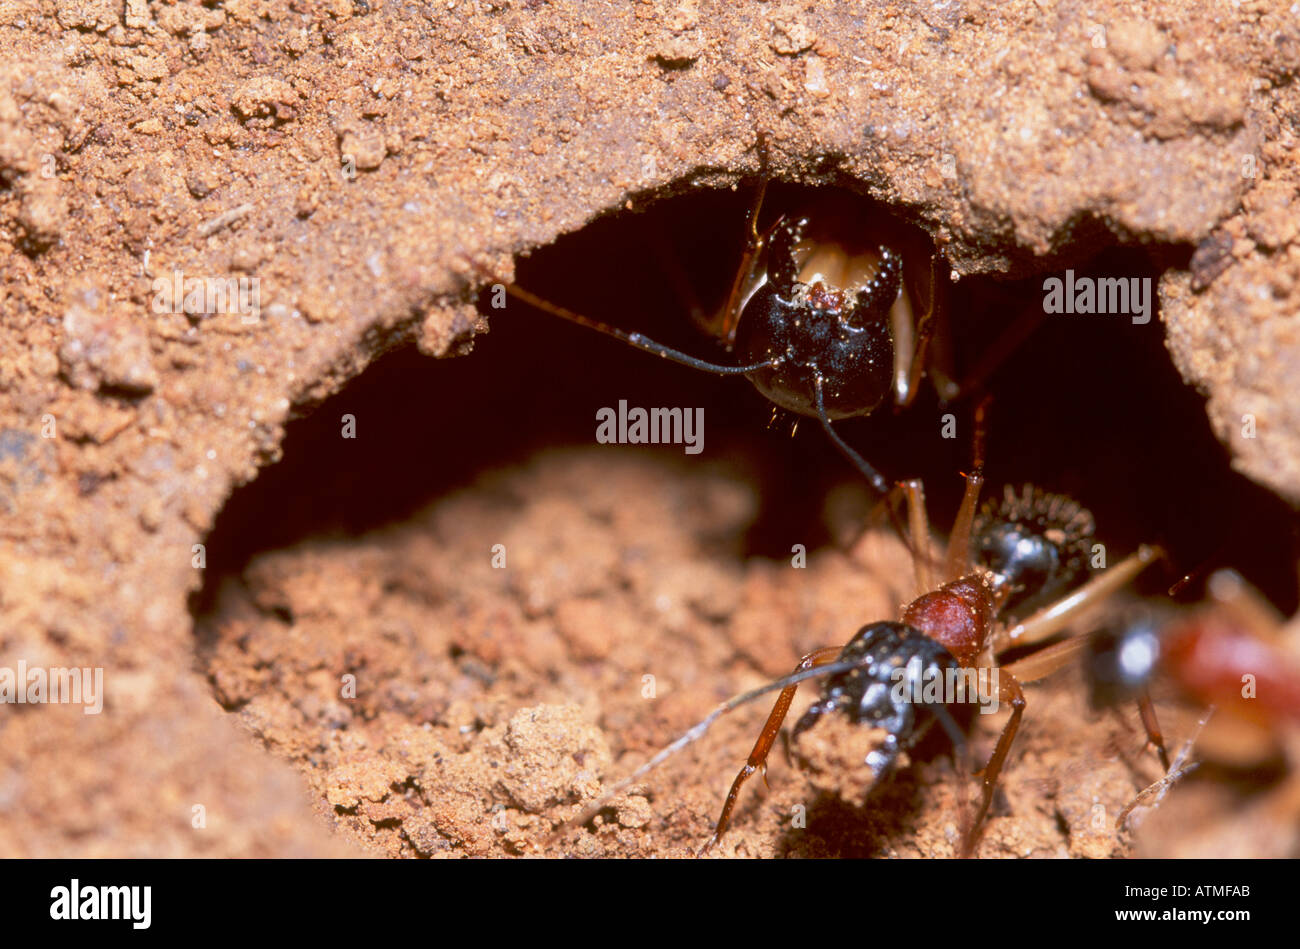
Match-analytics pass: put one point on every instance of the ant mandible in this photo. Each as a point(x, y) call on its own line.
point(821, 312)
point(1001, 563)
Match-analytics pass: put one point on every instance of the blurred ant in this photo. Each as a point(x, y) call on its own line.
point(1207, 654)
point(822, 311)
point(1234, 655)
point(1028, 550)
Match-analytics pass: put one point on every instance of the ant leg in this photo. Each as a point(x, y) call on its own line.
point(635, 339)
point(960, 760)
point(915, 539)
point(959, 550)
point(817, 669)
point(932, 330)
point(918, 522)
point(890, 503)
point(743, 286)
point(758, 757)
point(1160, 788)
point(1008, 691)
point(907, 367)
point(873, 476)
point(1052, 619)
point(1046, 661)
point(1147, 711)
point(1230, 590)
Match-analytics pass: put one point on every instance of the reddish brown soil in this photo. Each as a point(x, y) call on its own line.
point(353, 156)
point(479, 689)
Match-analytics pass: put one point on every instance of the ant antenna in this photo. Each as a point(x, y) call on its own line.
point(633, 339)
point(961, 764)
point(695, 733)
point(1178, 769)
point(871, 474)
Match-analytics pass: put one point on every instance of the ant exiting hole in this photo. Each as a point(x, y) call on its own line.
point(834, 309)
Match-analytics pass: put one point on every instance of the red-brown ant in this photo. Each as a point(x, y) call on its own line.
point(822, 314)
point(1030, 548)
point(1232, 655)
point(1208, 654)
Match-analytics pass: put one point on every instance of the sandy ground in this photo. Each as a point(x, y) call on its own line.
point(351, 157)
point(479, 688)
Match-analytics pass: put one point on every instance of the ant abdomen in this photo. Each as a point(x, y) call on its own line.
point(1036, 544)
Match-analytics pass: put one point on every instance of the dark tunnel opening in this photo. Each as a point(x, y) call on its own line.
point(1090, 406)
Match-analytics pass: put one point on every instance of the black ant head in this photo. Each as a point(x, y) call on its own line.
point(1122, 657)
point(1035, 544)
point(891, 662)
point(823, 310)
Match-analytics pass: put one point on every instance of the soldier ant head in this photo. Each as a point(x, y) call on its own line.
point(831, 309)
point(1035, 544)
point(823, 309)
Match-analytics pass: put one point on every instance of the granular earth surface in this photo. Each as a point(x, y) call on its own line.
point(356, 162)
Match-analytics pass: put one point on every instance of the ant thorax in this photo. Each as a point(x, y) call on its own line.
point(960, 613)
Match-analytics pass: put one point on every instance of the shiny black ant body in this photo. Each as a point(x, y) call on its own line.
point(821, 312)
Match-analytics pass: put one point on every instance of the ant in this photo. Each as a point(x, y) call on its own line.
point(1234, 655)
point(821, 312)
point(1207, 653)
point(1002, 561)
